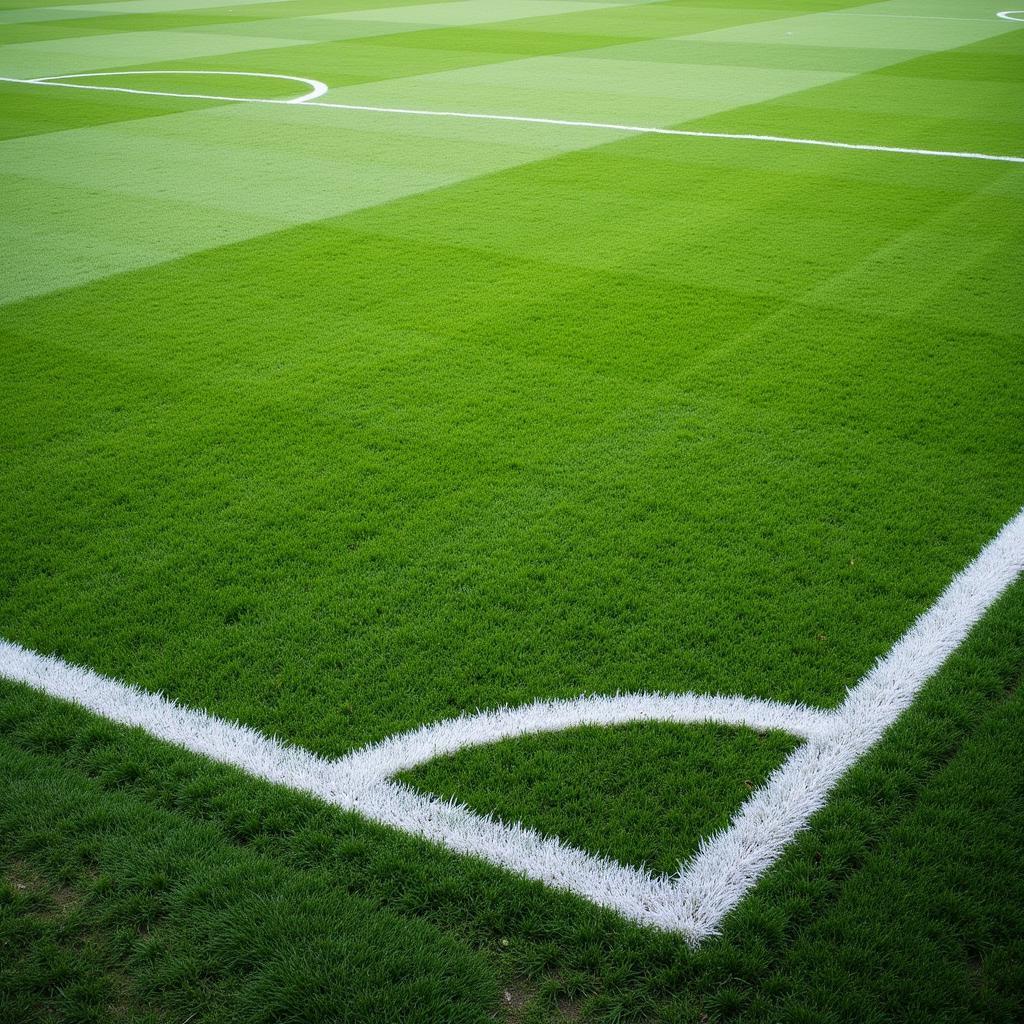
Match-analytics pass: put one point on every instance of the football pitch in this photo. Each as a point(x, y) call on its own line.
point(511, 510)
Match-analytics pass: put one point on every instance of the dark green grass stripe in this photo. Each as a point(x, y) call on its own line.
point(30, 110)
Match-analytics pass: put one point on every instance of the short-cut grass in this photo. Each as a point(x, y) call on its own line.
point(337, 423)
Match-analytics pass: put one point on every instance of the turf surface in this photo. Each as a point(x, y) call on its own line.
point(337, 423)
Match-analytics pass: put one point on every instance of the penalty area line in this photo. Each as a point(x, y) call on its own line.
point(631, 129)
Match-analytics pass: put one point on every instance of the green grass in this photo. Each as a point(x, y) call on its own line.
point(692, 779)
point(901, 903)
point(340, 423)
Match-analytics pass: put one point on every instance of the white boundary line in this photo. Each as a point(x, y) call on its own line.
point(1009, 15)
point(725, 866)
point(901, 17)
point(306, 101)
point(316, 87)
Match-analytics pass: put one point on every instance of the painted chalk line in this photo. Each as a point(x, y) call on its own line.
point(305, 101)
point(902, 17)
point(725, 866)
point(316, 87)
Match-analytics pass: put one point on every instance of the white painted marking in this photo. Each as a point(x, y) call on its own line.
point(1009, 15)
point(902, 17)
point(692, 903)
point(303, 101)
point(316, 88)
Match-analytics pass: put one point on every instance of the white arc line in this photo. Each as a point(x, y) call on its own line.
point(691, 903)
point(316, 87)
point(1009, 15)
point(303, 101)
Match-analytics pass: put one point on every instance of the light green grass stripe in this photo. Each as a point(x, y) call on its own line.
point(875, 26)
point(405, 15)
point(136, 49)
point(597, 87)
point(233, 170)
point(73, 12)
point(471, 12)
point(126, 49)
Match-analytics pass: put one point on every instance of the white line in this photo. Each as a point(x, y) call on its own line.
point(691, 903)
point(1009, 15)
point(913, 17)
point(399, 753)
point(316, 87)
point(727, 864)
point(519, 119)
